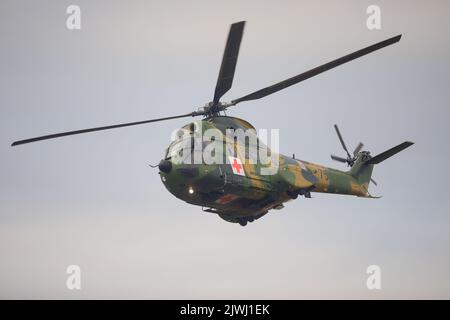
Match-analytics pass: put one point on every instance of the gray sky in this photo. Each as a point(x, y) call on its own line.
point(91, 200)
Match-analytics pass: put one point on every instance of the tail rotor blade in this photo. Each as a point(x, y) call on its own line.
point(342, 140)
point(374, 182)
point(358, 149)
point(336, 158)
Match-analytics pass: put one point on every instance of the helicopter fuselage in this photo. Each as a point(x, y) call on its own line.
point(236, 189)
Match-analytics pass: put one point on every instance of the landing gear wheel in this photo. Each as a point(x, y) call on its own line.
point(293, 195)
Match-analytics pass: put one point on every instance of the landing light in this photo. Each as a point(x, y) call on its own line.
point(191, 190)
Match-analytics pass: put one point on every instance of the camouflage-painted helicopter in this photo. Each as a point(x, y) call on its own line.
point(235, 189)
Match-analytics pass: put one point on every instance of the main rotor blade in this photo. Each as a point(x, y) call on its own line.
point(313, 72)
point(229, 60)
point(358, 149)
point(336, 158)
point(69, 133)
point(342, 140)
point(389, 153)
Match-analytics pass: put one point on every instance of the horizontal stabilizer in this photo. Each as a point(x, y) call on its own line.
point(371, 197)
point(389, 153)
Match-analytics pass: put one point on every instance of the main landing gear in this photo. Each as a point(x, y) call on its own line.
point(303, 192)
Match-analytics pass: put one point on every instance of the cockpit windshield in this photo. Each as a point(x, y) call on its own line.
point(176, 148)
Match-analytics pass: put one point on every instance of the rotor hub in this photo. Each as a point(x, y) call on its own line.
point(211, 109)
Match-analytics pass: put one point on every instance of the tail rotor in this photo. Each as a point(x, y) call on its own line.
point(350, 160)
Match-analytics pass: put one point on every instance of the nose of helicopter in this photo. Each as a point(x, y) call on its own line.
point(179, 179)
point(183, 171)
point(165, 166)
point(190, 182)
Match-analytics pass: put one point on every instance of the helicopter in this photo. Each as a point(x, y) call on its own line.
point(235, 188)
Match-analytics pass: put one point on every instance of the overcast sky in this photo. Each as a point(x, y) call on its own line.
point(92, 200)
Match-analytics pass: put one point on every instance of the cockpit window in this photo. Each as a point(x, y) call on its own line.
point(176, 148)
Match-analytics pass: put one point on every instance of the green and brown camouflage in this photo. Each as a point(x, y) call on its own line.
point(242, 197)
